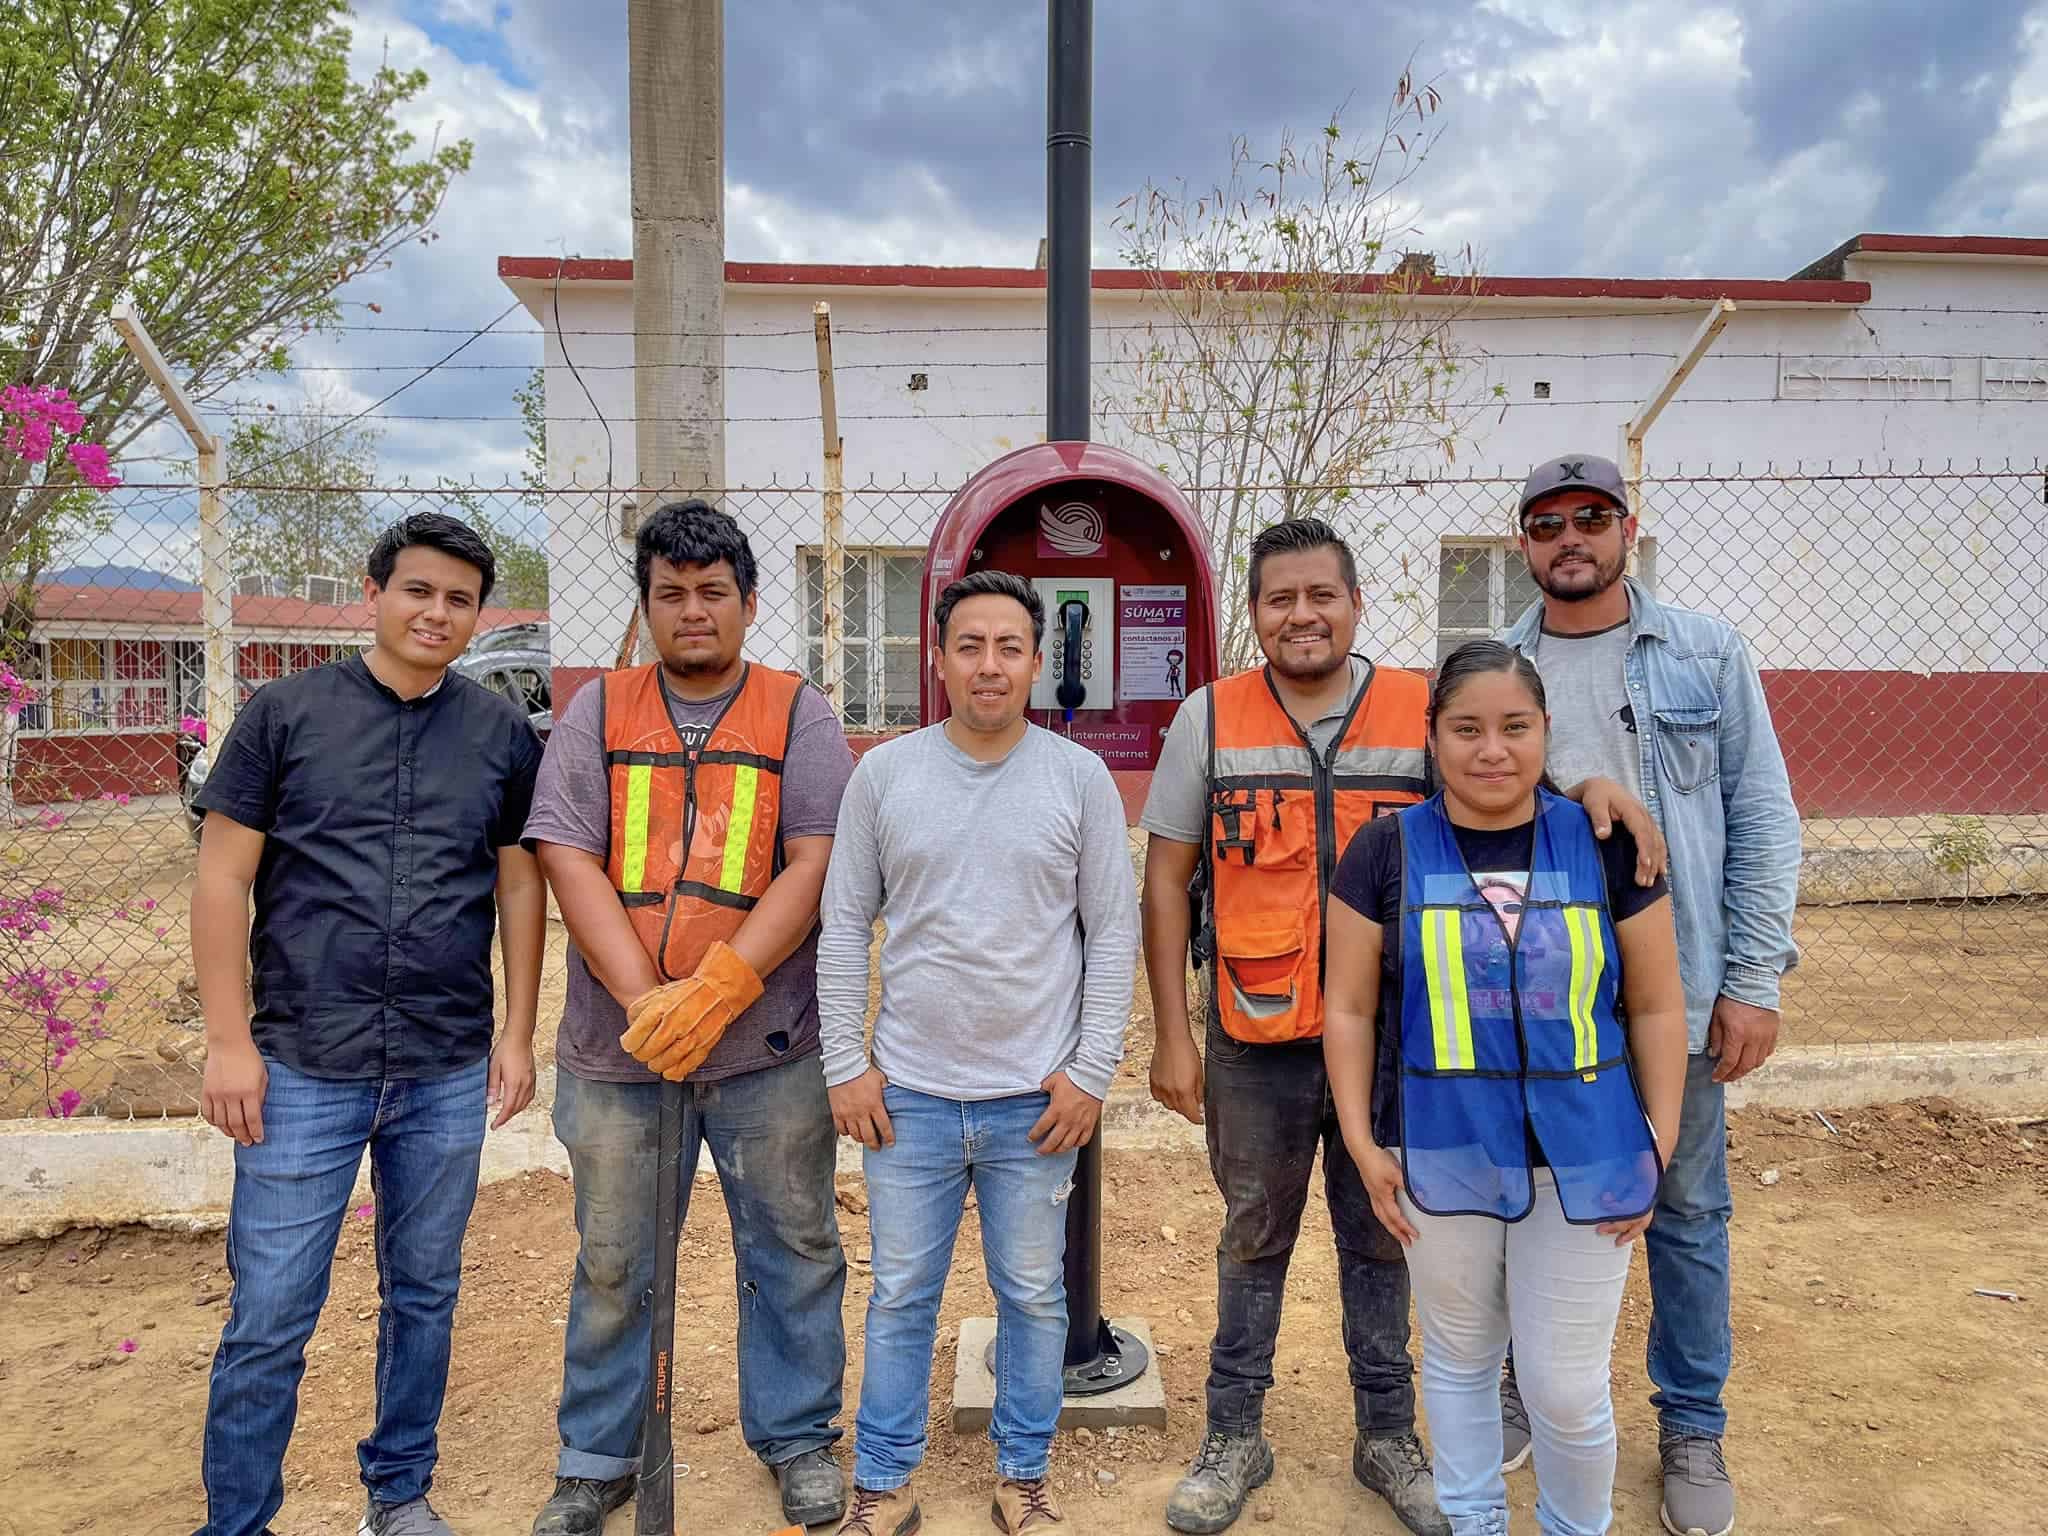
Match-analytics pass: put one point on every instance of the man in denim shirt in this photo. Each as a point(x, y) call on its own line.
point(1669, 702)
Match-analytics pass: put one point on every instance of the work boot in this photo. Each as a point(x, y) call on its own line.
point(580, 1504)
point(1514, 1422)
point(1396, 1467)
point(1225, 1470)
point(1024, 1506)
point(813, 1488)
point(415, 1517)
point(1699, 1500)
point(875, 1513)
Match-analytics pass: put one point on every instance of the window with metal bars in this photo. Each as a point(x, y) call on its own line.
point(1483, 586)
point(882, 633)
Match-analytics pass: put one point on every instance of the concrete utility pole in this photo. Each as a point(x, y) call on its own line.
point(677, 78)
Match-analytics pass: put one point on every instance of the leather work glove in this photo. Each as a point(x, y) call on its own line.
point(673, 1028)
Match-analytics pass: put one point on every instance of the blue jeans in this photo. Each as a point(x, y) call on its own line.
point(770, 1135)
point(425, 1137)
point(1691, 1345)
point(1561, 1285)
point(917, 1190)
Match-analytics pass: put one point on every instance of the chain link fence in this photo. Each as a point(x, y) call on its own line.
point(1899, 617)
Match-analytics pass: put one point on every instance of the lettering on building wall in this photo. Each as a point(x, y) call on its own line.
point(1866, 378)
point(1912, 378)
point(2015, 378)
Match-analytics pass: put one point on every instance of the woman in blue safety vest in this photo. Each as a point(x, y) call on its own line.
point(1505, 1034)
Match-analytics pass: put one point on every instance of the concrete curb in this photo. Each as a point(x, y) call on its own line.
point(177, 1174)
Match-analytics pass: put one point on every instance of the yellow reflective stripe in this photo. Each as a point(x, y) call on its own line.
point(639, 784)
point(1589, 959)
point(745, 784)
point(1443, 963)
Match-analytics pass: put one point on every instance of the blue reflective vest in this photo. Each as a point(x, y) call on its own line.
point(1503, 1035)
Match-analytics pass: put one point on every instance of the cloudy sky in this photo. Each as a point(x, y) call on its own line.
point(1658, 137)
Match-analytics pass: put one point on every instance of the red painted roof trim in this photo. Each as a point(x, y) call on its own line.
point(1952, 245)
point(181, 610)
point(1999, 247)
point(1124, 279)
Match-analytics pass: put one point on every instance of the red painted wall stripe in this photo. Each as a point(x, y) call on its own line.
point(1855, 743)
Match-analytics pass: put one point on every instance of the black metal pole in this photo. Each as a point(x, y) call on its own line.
point(1099, 1359)
point(1070, 86)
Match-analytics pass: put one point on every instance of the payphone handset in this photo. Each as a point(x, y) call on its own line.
point(1080, 642)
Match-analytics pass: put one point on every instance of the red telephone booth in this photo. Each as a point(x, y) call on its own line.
point(1090, 525)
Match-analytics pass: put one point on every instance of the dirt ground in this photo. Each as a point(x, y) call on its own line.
point(1871, 973)
point(1873, 1392)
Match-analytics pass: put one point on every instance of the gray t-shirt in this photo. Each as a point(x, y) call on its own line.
point(1011, 916)
point(1592, 723)
point(1177, 806)
point(572, 806)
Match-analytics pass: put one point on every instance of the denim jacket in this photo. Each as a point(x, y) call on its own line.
point(1714, 778)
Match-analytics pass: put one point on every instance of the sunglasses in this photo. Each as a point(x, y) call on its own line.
point(1545, 527)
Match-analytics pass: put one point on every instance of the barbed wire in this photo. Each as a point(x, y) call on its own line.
point(1033, 411)
point(1677, 474)
point(1118, 364)
point(1671, 309)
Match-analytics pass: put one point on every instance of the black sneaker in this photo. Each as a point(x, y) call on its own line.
point(813, 1488)
point(1514, 1422)
point(1225, 1470)
point(1396, 1467)
point(580, 1505)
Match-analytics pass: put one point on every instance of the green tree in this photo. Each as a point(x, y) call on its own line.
point(303, 504)
point(522, 562)
point(1961, 846)
point(1294, 346)
point(214, 162)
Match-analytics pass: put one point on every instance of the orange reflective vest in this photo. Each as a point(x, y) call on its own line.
point(1280, 817)
point(723, 801)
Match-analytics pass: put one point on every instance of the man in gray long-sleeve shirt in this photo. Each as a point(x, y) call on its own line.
point(995, 854)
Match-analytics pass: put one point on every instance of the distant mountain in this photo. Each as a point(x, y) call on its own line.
point(135, 577)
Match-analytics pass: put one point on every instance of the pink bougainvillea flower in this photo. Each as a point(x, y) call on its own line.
point(363, 1212)
point(128, 1346)
point(90, 460)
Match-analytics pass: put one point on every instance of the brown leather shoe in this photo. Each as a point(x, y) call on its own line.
point(894, 1513)
point(1021, 1507)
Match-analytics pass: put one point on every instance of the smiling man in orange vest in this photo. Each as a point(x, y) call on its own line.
point(684, 815)
point(1262, 781)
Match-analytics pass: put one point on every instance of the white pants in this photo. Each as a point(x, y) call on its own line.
point(1556, 1288)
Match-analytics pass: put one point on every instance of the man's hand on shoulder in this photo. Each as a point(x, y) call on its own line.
point(1606, 802)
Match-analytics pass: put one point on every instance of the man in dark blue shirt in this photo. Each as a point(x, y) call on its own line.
point(373, 808)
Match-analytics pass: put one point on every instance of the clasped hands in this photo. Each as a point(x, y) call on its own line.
point(673, 1028)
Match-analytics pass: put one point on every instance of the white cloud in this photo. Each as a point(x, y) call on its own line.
point(1610, 139)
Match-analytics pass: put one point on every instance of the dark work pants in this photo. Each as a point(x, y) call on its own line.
point(1267, 1109)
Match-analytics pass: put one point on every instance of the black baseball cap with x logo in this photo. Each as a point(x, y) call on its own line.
point(1574, 472)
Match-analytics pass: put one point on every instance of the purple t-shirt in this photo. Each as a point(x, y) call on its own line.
point(572, 806)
